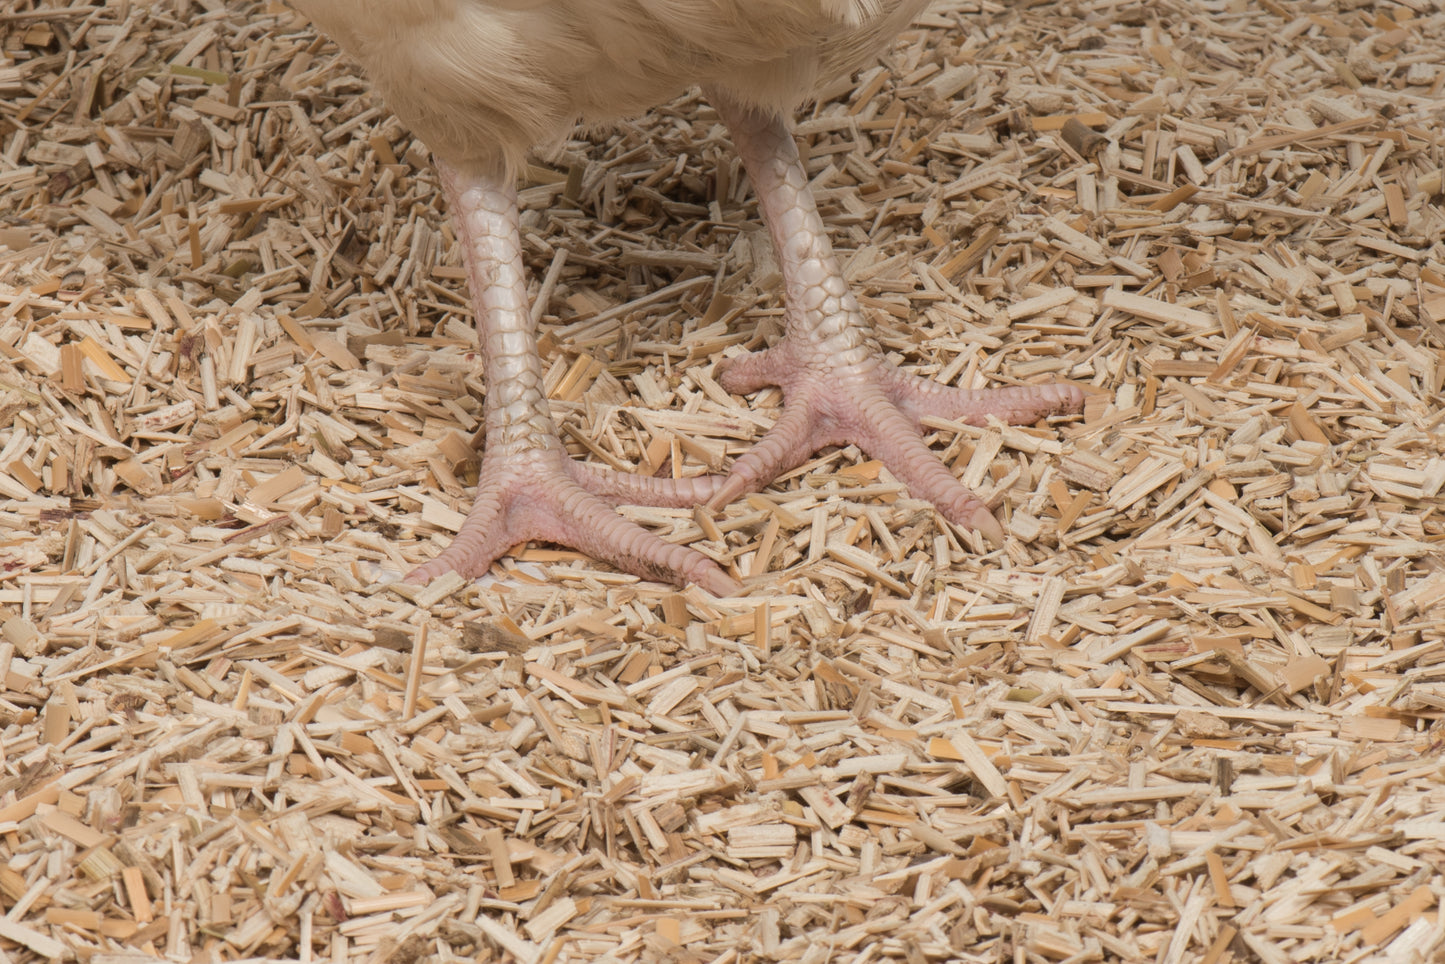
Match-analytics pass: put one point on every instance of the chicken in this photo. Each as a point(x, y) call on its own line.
point(484, 81)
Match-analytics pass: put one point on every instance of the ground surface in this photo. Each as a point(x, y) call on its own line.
point(1186, 713)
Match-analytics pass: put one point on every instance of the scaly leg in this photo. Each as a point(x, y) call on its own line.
point(837, 386)
point(529, 487)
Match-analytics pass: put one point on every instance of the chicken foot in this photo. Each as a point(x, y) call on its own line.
point(530, 488)
point(837, 386)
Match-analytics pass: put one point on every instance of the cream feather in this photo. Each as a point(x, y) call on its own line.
point(483, 81)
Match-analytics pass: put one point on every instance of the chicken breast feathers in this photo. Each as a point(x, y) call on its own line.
point(483, 81)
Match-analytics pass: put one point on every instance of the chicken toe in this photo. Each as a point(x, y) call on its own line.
point(542, 494)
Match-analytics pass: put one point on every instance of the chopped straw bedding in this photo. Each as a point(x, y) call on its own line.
point(1188, 712)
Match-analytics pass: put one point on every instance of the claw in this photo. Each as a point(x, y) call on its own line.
point(986, 524)
point(732, 488)
point(719, 583)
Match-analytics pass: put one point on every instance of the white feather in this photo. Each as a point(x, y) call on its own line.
point(483, 81)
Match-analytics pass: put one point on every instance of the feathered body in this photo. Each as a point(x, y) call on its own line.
point(484, 81)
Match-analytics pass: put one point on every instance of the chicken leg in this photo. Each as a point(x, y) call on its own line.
point(837, 386)
point(530, 488)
